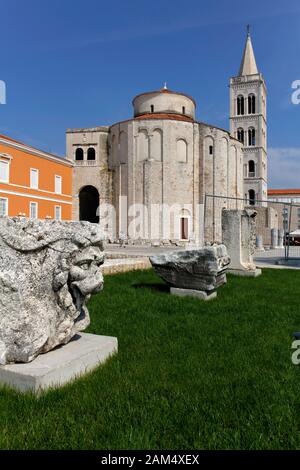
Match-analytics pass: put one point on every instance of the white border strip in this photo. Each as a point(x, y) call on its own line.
point(14, 193)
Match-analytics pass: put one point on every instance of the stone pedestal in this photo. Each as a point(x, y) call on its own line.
point(239, 235)
point(61, 365)
point(259, 243)
point(274, 238)
point(202, 295)
point(280, 238)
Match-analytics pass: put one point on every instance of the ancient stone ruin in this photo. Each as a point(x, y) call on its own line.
point(239, 237)
point(48, 270)
point(195, 273)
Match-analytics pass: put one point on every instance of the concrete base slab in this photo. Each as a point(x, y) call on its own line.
point(193, 293)
point(245, 273)
point(61, 365)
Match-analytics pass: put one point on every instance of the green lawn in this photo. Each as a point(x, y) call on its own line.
point(188, 375)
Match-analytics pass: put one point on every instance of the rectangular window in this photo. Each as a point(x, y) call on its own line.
point(211, 150)
point(4, 171)
point(3, 206)
point(34, 178)
point(184, 222)
point(57, 214)
point(58, 184)
point(33, 212)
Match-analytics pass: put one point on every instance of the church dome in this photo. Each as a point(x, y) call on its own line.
point(165, 102)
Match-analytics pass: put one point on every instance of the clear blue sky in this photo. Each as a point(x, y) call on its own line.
point(79, 64)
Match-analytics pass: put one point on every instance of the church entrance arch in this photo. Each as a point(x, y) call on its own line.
point(89, 204)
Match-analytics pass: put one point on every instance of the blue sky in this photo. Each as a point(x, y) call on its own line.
point(79, 64)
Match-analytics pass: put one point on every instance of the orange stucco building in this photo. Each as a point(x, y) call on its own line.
point(33, 183)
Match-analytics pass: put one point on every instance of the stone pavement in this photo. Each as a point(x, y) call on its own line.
point(275, 258)
point(130, 258)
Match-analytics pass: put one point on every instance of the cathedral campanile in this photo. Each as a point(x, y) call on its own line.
point(248, 124)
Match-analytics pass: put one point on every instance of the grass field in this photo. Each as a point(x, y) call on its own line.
point(188, 375)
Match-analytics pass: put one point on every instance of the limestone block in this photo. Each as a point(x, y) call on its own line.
point(48, 270)
point(201, 270)
point(239, 237)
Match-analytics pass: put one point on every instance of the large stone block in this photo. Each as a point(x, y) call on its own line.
point(48, 270)
point(239, 237)
point(202, 270)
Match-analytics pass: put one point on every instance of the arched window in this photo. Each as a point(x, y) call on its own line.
point(251, 104)
point(251, 194)
point(240, 135)
point(251, 137)
point(240, 105)
point(251, 168)
point(91, 154)
point(79, 154)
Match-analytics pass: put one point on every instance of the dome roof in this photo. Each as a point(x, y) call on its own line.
point(164, 90)
point(164, 101)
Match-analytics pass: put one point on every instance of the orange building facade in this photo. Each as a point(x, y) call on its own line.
point(33, 183)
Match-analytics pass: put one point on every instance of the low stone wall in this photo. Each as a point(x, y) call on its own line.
point(115, 266)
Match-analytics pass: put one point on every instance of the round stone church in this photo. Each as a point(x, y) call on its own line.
point(149, 179)
point(145, 179)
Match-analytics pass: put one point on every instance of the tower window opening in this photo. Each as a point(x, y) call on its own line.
point(183, 109)
point(152, 108)
point(79, 154)
point(240, 135)
point(91, 154)
point(251, 169)
point(251, 137)
point(251, 104)
point(211, 150)
point(240, 105)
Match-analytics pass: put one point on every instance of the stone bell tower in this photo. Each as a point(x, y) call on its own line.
point(248, 123)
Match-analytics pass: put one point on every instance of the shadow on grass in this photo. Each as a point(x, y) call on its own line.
point(154, 287)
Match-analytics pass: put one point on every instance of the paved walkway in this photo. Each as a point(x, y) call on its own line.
point(276, 258)
point(120, 259)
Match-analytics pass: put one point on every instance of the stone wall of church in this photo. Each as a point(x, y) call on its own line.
point(155, 162)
